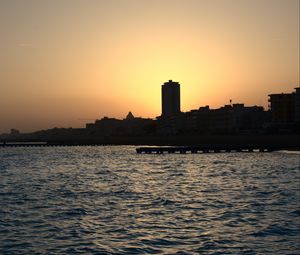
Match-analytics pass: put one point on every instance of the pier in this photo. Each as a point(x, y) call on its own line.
point(213, 148)
point(205, 149)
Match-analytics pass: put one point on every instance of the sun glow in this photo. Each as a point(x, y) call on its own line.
point(104, 59)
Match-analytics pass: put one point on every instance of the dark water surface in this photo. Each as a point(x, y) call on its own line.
point(109, 200)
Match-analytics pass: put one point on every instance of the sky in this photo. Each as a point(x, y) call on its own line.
point(64, 63)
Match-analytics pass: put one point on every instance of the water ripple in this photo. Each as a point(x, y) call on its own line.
point(109, 200)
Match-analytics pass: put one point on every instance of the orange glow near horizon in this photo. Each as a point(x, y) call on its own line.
point(69, 61)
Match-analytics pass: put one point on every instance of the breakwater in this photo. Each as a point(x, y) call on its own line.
point(243, 141)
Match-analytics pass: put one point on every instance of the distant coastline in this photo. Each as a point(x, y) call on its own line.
point(288, 142)
point(230, 124)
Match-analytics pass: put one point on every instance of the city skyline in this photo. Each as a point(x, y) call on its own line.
point(71, 60)
point(283, 112)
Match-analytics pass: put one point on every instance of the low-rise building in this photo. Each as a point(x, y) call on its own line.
point(128, 126)
point(227, 119)
point(282, 107)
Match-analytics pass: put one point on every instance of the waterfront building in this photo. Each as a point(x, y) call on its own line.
point(282, 107)
point(105, 126)
point(227, 119)
point(198, 121)
point(128, 126)
point(170, 99)
point(297, 105)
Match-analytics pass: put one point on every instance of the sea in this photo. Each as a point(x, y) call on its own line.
point(110, 200)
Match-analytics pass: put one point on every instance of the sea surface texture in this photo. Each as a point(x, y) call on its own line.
point(110, 200)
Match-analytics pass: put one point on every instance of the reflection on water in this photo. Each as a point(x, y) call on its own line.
point(109, 200)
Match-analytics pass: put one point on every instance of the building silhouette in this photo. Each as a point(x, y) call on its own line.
point(228, 119)
point(130, 125)
point(297, 105)
point(283, 117)
point(170, 92)
point(282, 107)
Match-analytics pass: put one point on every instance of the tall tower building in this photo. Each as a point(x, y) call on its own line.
point(170, 92)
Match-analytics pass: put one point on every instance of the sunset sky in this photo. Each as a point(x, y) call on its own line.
point(64, 61)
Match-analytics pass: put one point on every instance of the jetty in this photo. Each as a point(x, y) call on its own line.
point(205, 149)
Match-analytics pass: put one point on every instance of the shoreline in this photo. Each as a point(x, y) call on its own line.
point(283, 142)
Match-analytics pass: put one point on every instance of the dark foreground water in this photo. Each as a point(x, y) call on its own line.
point(109, 200)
